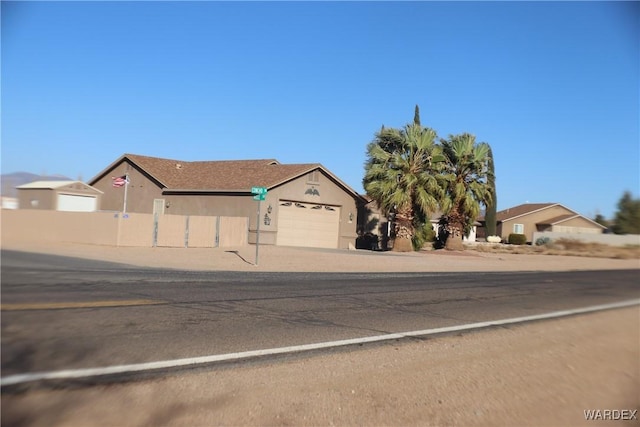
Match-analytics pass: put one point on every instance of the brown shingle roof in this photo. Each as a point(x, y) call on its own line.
point(558, 219)
point(223, 175)
point(520, 210)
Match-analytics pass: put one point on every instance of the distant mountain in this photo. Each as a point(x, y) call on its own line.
point(11, 180)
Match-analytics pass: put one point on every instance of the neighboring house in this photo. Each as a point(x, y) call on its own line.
point(74, 196)
point(306, 205)
point(531, 217)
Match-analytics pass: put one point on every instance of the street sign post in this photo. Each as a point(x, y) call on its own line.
point(260, 193)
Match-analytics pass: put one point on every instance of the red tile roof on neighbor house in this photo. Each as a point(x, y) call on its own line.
point(219, 176)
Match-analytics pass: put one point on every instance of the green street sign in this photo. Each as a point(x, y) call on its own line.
point(259, 190)
point(259, 197)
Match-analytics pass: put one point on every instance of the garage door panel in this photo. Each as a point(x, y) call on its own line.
point(76, 203)
point(308, 227)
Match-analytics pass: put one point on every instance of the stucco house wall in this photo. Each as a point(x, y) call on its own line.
point(36, 198)
point(141, 191)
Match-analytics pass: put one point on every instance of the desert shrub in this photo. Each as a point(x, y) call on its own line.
point(576, 245)
point(543, 241)
point(517, 239)
point(569, 247)
point(494, 239)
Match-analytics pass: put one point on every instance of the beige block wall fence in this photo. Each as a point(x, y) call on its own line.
point(590, 237)
point(117, 229)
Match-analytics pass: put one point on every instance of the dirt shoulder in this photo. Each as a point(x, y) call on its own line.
point(539, 374)
point(274, 258)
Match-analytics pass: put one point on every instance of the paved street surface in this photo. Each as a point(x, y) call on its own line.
point(61, 314)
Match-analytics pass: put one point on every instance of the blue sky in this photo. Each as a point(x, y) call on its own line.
point(553, 87)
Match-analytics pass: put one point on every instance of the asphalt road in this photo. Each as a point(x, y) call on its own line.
point(65, 313)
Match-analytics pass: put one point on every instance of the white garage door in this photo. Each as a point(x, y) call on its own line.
point(308, 224)
point(76, 203)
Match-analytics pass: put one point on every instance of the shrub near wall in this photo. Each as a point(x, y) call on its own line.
point(517, 239)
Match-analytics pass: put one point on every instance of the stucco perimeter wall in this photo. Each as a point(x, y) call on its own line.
point(607, 239)
point(48, 226)
point(117, 229)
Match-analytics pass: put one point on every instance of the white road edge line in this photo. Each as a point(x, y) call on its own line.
point(163, 364)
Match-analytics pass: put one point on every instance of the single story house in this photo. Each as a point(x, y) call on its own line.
point(531, 217)
point(73, 196)
point(305, 204)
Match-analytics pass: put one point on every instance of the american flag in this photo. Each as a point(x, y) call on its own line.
point(120, 181)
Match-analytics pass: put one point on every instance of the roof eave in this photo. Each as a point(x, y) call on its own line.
point(206, 190)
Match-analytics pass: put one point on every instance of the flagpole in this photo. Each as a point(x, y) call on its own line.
point(126, 187)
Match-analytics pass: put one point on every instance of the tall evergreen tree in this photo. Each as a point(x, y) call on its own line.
point(627, 218)
point(416, 116)
point(600, 219)
point(491, 206)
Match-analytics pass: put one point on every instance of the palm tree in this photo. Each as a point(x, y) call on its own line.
point(467, 176)
point(402, 176)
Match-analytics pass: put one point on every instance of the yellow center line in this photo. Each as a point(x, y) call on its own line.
point(80, 304)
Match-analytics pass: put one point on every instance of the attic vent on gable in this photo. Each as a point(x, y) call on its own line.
point(178, 166)
point(314, 177)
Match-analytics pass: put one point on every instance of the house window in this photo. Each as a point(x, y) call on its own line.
point(518, 228)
